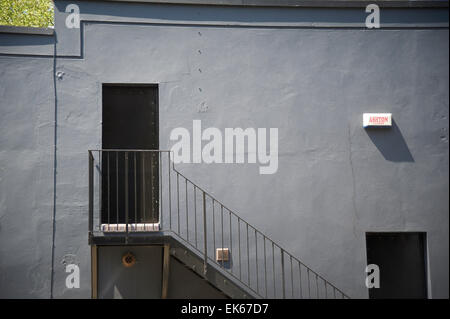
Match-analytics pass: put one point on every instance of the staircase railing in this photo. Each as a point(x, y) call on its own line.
point(134, 191)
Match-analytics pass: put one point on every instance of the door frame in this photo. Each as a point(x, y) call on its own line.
point(424, 235)
point(155, 86)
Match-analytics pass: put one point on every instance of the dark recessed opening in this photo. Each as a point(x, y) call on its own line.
point(401, 258)
point(130, 178)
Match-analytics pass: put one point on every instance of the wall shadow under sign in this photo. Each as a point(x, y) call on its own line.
point(390, 143)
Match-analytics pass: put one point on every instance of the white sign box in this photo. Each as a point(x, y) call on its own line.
point(377, 119)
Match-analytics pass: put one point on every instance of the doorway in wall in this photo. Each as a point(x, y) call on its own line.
point(130, 177)
point(401, 258)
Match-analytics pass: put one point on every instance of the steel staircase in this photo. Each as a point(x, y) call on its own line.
point(195, 225)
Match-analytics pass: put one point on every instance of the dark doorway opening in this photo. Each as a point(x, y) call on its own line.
point(130, 175)
point(401, 258)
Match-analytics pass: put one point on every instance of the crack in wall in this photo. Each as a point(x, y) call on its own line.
point(350, 157)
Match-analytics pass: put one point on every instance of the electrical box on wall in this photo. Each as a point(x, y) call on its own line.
point(377, 119)
point(222, 254)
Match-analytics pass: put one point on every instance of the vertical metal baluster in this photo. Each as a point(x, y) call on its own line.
point(283, 281)
point(214, 227)
point(221, 223)
point(135, 193)
point(170, 194)
point(152, 186)
point(239, 243)
point(204, 236)
point(91, 191)
point(231, 244)
point(178, 203)
point(117, 189)
point(187, 211)
point(256, 261)
point(292, 279)
point(248, 257)
point(100, 186)
point(195, 213)
point(265, 265)
point(126, 196)
point(326, 290)
point(309, 284)
point(144, 217)
point(334, 292)
point(300, 277)
point(317, 286)
point(160, 191)
point(273, 271)
point(109, 191)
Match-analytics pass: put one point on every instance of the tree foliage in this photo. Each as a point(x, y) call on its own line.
point(28, 13)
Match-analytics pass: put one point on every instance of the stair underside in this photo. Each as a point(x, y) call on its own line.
point(189, 257)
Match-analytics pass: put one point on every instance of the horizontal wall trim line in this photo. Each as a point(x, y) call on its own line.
point(290, 25)
point(26, 30)
point(318, 26)
point(300, 3)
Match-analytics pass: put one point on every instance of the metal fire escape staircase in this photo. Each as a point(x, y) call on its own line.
point(195, 225)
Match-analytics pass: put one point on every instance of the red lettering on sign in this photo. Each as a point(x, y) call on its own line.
point(378, 119)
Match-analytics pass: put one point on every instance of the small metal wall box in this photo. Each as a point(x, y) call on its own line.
point(222, 254)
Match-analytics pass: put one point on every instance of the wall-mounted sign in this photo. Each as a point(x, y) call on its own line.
point(377, 119)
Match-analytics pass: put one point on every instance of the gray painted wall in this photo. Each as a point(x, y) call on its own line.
point(142, 280)
point(273, 67)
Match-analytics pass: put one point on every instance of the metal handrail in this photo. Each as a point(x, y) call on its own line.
point(298, 274)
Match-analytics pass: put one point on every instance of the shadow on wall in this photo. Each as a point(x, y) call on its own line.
point(390, 143)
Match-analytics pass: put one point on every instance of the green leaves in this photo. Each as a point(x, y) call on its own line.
point(28, 13)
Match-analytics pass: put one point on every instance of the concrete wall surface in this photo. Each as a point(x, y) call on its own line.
point(310, 72)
